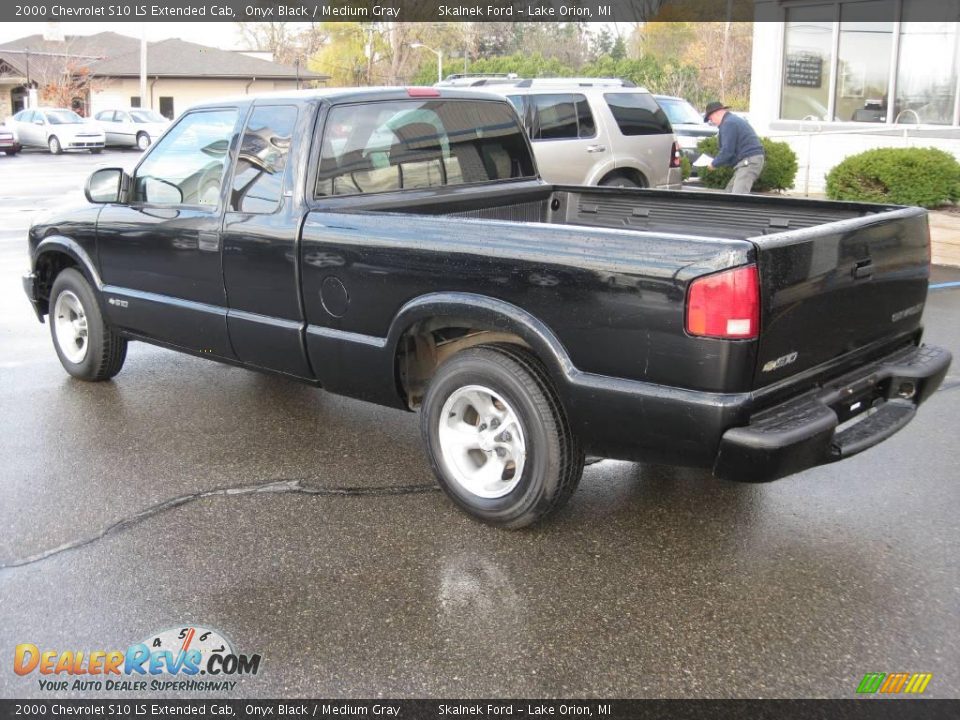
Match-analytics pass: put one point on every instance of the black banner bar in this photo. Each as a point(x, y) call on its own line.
point(212, 709)
point(450, 10)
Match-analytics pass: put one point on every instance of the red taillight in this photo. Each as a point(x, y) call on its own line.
point(725, 305)
point(675, 155)
point(423, 92)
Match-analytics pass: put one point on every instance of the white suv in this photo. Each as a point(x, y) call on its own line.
point(596, 131)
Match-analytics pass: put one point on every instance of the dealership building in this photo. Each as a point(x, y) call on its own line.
point(836, 78)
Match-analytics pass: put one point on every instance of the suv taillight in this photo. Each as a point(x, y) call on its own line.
point(675, 155)
point(725, 305)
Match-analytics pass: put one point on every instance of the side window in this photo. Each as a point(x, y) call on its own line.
point(265, 144)
point(186, 167)
point(556, 117)
point(638, 114)
point(121, 117)
point(103, 115)
point(401, 145)
point(586, 127)
point(561, 117)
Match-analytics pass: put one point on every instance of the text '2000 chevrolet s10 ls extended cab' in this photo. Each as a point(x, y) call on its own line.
point(396, 245)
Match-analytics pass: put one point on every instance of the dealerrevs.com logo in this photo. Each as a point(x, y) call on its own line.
point(188, 659)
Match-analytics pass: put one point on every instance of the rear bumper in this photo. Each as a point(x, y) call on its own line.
point(840, 419)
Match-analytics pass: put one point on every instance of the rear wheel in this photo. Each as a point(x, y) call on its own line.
point(620, 181)
point(54, 145)
point(87, 347)
point(143, 141)
point(497, 437)
point(96, 151)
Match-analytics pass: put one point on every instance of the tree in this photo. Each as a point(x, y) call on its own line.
point(287, 42)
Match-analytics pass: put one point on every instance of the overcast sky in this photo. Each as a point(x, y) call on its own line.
point(217, 34)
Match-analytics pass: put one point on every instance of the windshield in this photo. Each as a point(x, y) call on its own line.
point(680, 112)
point(147, 116)
point(62, 117)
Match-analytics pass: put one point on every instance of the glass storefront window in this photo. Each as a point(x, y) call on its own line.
point(863, 70)
point(806, 68)
point(927, 73)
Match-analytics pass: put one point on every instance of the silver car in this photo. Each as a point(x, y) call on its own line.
point(56, 129)
point(133, 127)
point(595, 131)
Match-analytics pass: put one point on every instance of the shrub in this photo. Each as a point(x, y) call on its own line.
point(779, 168)
point(685, 167)
point(927, 177)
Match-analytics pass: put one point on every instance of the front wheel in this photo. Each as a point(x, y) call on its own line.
point(498, 438)
point(53, 144)
point(96, 151)
point(87, 347)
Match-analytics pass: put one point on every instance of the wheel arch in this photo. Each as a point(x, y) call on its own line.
point(633, 173)
point(53, 255)
point(481, 319)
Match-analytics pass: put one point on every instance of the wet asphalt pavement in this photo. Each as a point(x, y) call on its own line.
point(655, 581)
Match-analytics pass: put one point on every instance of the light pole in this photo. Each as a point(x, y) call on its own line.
point(438, 53)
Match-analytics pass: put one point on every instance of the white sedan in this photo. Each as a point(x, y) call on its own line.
point(56, 129)
point(134, 127)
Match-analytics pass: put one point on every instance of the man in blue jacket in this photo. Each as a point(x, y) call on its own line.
point(740, 148)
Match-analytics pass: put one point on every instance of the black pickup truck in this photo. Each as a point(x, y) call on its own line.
point(397, 245)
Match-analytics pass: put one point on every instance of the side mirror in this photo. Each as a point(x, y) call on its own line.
point(107, 185)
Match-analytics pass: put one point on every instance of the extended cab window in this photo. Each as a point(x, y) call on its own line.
point(637, 113)
point(561, 117)
point(400, 145)
point(258, 179)
point(186, 167)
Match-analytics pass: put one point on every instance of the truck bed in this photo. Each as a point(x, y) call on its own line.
point(835, 277)
point(711, 214)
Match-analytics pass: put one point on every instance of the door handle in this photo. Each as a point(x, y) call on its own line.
point(863, 270)
point(596, 148)
point(209, 241)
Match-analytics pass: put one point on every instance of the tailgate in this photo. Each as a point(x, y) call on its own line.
point(832, 289)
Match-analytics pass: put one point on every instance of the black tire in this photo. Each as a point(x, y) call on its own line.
point(105, 349)
point(143, 141)
point(620, 181)
point(96, 151)
point(12, 151)
point(54, 146)
point(554, 459)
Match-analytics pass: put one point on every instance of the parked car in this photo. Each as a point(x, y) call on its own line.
point(9, 143)
point(597, 131)
point(397, 245)
point(131, 127)
point(688, 125)
point(56, 129)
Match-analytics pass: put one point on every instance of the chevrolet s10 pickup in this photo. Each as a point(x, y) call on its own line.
point(397, 245)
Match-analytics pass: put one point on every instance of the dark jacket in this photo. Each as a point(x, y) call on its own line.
point(738, 141)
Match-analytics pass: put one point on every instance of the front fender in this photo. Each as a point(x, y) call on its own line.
point(44, 266)
point(72, 249)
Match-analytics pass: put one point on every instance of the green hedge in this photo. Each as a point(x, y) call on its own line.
point(927, 177)
point(779, 167)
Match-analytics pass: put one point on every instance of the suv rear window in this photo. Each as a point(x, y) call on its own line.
point(402, 145)
point(638, 114)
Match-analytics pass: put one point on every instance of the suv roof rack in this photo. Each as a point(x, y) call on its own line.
point(579, 82)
